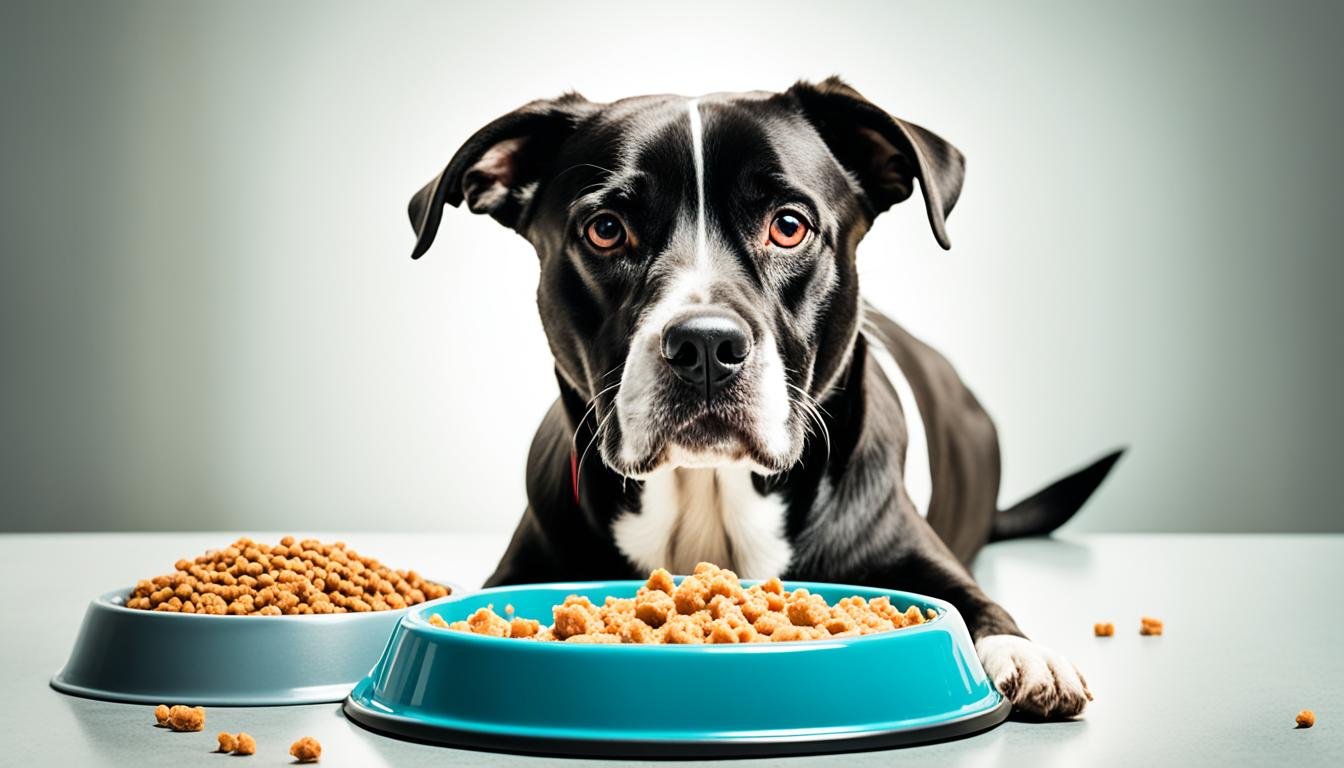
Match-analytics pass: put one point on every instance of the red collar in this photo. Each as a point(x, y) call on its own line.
point(574, 475)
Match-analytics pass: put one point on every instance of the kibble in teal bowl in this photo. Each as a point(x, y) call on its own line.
point(910, 685)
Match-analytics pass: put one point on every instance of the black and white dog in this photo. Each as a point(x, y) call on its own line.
point(725, 394)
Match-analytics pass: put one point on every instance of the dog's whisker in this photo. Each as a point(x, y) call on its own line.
point(592, 406)
point(808, 395)
point(813, 410)
point(603, 392)
point(577, 166)
point(812, 402)
point(578, 469)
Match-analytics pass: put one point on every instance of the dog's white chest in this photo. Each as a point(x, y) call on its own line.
point(716, 515)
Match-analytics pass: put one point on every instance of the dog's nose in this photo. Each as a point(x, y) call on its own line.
point(707, 349)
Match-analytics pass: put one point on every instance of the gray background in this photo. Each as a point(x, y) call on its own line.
point(209, 319)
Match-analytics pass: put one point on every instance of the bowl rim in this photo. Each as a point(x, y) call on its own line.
point(115, 601)
point(415, 621)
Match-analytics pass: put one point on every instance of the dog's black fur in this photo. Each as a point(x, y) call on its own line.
point(822, 149)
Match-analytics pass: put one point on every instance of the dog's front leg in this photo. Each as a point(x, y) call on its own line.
point(1038, 681)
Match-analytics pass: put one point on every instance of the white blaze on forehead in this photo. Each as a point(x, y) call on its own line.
point(698, 157)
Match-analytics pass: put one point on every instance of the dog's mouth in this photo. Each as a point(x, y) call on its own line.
point(706, 443)
point(696, 435)
point(710, 439)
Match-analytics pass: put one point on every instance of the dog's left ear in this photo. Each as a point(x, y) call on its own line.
point(886, 154)
point(498, 169)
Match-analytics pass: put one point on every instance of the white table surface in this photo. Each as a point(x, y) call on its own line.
point(1253, 634)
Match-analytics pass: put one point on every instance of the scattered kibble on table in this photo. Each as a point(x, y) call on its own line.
point(306, 750)
point(1103, 629)
point(161, 714)
point(1150, 626)
point(237, 743)
point(246, 745)
point(1306, 718)
point(182, 718)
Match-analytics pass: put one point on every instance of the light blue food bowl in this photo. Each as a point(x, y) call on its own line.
point(153, 657)
point(912, 685)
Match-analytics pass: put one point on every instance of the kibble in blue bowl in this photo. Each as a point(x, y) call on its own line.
point(696, 666)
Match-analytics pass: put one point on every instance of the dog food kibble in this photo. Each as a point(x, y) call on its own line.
point(246, 745)
point(1306, 718)
point(709, 606)
point(306, 750)
point(227, 742)
point(1103, 629)
point(248, 578)
point(161, 714)
point(182, 718)
point(521, 627)
point(1150, 626)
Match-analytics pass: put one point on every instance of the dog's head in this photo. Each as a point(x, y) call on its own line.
point(698, 283)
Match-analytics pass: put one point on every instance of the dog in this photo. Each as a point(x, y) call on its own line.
point(725, 393)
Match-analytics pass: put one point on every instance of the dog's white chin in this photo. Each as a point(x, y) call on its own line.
point(677, 456)
point(680, 456)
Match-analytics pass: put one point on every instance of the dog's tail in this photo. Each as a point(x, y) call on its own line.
point(1050, 508)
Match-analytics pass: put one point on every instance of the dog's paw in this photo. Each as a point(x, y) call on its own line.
point(1034, 678)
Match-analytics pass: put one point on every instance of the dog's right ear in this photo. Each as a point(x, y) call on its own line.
point(498, 169)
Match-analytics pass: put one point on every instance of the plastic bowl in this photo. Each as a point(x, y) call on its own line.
point(911, 685)
point(153, 657)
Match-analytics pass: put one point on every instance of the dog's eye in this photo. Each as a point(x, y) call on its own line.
point(787, 230)
point(605, 232)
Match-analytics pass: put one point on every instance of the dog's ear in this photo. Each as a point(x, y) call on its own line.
point(498, 169)
point(886, 154)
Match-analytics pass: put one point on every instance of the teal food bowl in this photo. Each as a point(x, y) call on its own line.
point(911, 685)
point(153, 657)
